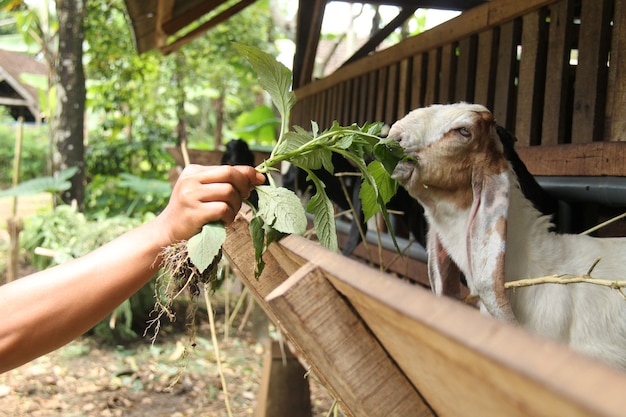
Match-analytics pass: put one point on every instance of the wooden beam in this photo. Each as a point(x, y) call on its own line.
point(589, 159)
point(335, 341)
point(382, 34)
point(200, 30)
point(309, 28)
point(182, 20)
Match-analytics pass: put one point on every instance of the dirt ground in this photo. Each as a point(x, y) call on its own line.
point(168, 378)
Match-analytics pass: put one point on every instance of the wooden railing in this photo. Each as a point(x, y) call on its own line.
point(383, 347)
point(552, 72)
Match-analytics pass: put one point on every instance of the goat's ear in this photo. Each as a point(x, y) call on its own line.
point(486, 241)
point(443, 274)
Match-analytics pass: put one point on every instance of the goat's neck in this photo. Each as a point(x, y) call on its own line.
point(525, 230)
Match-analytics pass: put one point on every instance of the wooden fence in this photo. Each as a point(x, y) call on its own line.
point(552, 72)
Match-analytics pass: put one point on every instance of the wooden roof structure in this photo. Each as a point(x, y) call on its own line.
point(21, 98)
point(156, 23)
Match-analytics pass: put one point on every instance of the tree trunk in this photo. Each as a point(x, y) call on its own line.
point(68, 120)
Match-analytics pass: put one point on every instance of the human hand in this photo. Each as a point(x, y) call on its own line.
point(204, 194)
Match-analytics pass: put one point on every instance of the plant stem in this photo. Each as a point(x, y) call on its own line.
point(220, 370)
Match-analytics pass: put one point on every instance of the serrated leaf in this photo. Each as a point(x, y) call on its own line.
point(323, 216)
point(281, 209)
point(374, 196)
point(204, 247)
point(389, 152)
point(257, 234)
point(274, 77)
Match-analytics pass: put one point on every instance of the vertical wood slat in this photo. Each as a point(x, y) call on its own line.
point(616, 94)
point(466, 70)
point(531, 78)
point(372, 89)
point(418, 80)
point(403, 88)
point(591, 72)
point(391, 94)
point(354, 100)
point(446, 73)
point(432, 77)
point(341, 103)
point(486, 65)
point(379, 113)
point(504, 99)
point(557, 73)
point(363, 97)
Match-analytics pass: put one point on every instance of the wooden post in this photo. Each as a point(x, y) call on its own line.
point(13, 223)
point(284, 389)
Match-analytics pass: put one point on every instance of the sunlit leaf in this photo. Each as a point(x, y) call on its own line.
point(204, 247)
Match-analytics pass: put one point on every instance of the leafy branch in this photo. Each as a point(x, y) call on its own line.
point(280, 211)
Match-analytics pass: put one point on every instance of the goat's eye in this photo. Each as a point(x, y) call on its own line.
point(465, 132)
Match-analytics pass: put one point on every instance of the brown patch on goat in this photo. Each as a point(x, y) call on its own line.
point(458, 162)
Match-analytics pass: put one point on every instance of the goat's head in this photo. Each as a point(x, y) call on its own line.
point(454, 145)
point(460, 170)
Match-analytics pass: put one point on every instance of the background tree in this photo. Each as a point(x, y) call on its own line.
point(69, 79)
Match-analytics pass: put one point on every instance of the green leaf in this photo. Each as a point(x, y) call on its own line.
point(389, 153)
point(373, 197)
point(281, 209)
point(257, 234)
point(41, 185)
point(274, 77)
point(204, 247)
point(323, 215)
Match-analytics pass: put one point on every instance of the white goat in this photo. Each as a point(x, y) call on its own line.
point(480, 220)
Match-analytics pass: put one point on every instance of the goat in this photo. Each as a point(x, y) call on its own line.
point(480, 220)
point(412, 220)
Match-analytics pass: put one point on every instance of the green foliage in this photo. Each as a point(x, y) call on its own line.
point(279, 210)
point(257, 126)
point(55, 184)
point(34, 152)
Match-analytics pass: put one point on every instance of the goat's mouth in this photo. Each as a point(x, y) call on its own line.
point(405, 168)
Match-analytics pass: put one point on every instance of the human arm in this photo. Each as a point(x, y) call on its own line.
point(43, 311)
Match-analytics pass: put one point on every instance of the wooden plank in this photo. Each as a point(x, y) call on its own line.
point(590, 159)
point(616, 94)
point(391, 95)
point(462, 362)
point(379, 113)
point(372, 87)
point(505, 93)
point(404, 92)
point(350, 361)
point(354, 101)
point(591, 71)
point(283, 390)
point(466, 364)
point(531, 78)
point(486, 64)
point(432, 77)
point(363, 97)
point(446, 74)
point(418, 80)
point(466, 70)
point(557, 73)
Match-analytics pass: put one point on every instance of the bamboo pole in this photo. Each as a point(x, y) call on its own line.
point(13, 223)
